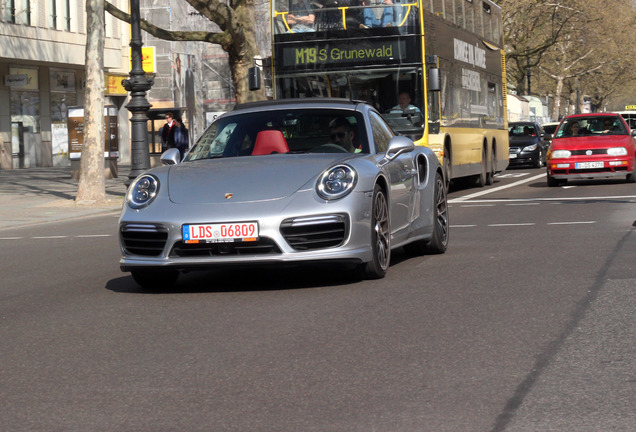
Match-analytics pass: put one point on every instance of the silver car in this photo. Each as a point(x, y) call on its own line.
point(291, 181)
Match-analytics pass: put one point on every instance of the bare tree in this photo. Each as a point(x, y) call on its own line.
point(531, 28)
point(91, 185)
point(237, 37)
point(591, 57)
point(570, 45)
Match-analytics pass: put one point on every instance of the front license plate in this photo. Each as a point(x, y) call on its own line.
point(513, 155)
point(585, 165)
point(220, 233)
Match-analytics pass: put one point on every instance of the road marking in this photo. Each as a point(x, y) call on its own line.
point(524, 204)
point(511, 175)
point(551, 200)
point(463, 226)
point(512, 224)
point(477, 205)
point(571, 223)
point(485, 192)
point(49, 237)
point(57, 237)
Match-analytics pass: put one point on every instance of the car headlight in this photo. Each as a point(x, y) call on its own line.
point(142, 191)
point(336, 182)
point(561, 154)
point(532, 147)
point(617, 151)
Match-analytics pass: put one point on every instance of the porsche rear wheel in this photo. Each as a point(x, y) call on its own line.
point(439, 241)
point(380, 237)
point(154, 278)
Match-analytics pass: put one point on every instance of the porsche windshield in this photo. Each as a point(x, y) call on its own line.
point(282, 131)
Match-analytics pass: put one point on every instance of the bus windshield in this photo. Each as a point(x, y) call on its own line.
point(433, 69)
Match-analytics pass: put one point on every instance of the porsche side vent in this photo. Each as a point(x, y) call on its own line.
point(143, 239)
point(263, 246)
point(316, 232)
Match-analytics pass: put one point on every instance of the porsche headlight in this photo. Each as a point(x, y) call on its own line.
point(336, 182)
point(561, 154)
point(532, 147)
point(142, 191)
point(617, 151)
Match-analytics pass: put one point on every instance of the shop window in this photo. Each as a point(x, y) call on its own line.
point(25, 109)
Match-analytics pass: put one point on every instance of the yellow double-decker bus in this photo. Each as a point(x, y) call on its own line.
point(435, 69)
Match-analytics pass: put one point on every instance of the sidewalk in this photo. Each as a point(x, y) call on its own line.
point(36, 195)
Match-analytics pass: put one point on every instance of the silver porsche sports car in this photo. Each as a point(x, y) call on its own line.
point(291, 181)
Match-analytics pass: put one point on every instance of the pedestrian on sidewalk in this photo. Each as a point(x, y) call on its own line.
point(181, 140)
point(167, 133)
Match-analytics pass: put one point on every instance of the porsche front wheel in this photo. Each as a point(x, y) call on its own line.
point(380, 237)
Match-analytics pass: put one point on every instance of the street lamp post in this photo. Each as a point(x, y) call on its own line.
point(138, 84)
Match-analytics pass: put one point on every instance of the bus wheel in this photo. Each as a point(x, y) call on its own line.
point(490, 177)
point(447, 170)
point(480, 179)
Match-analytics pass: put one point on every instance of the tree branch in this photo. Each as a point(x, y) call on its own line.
point(220, 38)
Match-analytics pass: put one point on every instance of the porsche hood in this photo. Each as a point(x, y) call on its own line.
point(245, 179)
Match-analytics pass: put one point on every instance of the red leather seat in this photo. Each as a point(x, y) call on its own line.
point(270, 141)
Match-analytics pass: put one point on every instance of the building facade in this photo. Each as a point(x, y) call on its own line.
point(42, 63)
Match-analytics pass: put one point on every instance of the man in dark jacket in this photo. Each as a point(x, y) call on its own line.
point(167, 133)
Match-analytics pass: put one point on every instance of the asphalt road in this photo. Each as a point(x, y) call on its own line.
point(525, 324)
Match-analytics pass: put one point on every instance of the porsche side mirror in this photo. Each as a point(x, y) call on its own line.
point(399, 145)
point(170, 157)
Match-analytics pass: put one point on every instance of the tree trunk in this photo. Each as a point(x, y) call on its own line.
point(557, 99)
point(91, 186)
point(242, 53)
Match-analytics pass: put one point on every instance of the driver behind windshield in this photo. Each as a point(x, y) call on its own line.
point(405, 107)
point(341, 133)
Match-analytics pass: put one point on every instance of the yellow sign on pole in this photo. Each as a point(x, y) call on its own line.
point(147, 59)
point(630, 107)
point(113, 85)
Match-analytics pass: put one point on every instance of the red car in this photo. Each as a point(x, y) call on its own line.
point(591, 146)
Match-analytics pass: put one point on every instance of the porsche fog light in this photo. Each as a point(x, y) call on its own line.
point(561, 154)
point(617, 151)
point(142, 191)
point(336, 182)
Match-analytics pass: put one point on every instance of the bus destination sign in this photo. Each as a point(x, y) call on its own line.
point(318, 55)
